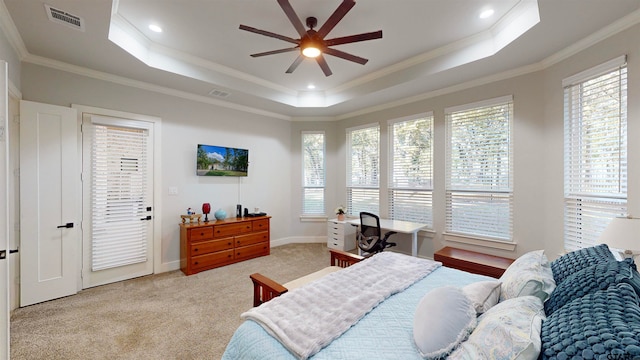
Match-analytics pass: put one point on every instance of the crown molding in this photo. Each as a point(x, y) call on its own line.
point(600, 35)
point(78, 70)
point(11, 32)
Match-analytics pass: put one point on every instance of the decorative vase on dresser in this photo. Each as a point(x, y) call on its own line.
point(205, 246)
point(341, 235)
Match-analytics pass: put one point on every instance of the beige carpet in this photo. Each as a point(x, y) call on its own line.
point(164, 316)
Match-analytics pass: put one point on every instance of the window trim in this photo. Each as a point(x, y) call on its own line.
point(349, 185)
point(469, 238)
point(575, 203)
point(390, 160)
point(303, 214)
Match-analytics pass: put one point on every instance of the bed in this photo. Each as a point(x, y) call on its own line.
point(583, 305)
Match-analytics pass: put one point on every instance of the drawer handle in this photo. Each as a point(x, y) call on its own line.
point(196, 249)
point(196, 263)
point(229, 243)
point(201, 234)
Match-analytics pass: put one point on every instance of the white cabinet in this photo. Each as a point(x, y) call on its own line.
point(341, 235)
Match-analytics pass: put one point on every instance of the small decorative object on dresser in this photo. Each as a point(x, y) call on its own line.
point(220, 214)
point(206, 209)
point(340, 211)
point(206, 246)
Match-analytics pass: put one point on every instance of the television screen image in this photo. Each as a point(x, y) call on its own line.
point(222, 161)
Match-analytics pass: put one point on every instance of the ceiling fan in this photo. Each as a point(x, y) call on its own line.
point(312, 43)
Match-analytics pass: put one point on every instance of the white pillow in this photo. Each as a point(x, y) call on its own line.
point(483, 294)
point(443, 319)
point(530, 274)
point(509, 330)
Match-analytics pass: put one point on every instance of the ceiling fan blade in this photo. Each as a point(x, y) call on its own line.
point(335, 18)
point(354, 38)
point(295, 64)
point(346, 56)
point(272, 52)
point(293, 17)
point(323, 65)
point(269, 33)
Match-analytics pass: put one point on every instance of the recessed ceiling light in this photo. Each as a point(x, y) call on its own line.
point(486, 13)
point(311, 86)
point(155, 28)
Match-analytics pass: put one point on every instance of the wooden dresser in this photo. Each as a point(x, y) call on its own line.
point(205, 246)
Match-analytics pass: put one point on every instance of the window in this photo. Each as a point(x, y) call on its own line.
point(595, 166)
point(411, 169)
point(363, 168)
point(313, 176)
point(479, 193)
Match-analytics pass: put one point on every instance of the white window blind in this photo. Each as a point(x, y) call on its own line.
point(411, 169)
point(118, 196)
point(595, 115)
point(313, 177)
point(479, 190)
point(363, 169)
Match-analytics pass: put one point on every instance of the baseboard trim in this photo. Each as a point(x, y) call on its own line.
point(175, 265)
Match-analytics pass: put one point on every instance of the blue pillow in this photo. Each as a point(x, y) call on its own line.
point(602, 325)
point(596, 277)
point(577, 260)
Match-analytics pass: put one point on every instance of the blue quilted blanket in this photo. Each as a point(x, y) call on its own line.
point(384, 333)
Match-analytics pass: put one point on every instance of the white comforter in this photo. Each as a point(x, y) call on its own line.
point(308, 318)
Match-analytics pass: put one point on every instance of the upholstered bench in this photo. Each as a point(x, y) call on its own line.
point(473, 262)
point(265, 289)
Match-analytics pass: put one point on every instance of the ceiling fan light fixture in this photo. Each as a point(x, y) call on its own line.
point(311, 51)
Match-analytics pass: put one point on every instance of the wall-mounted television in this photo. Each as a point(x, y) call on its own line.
point(222, 161)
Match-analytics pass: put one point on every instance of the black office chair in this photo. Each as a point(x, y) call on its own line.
point(369, 236)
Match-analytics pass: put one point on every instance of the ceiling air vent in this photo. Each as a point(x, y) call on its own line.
point(62, 17)
point(219, 93)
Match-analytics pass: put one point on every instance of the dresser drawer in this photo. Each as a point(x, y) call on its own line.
point(335, 230)
point(250, 239)
point(261, 225)
point(212, 259)
point(231, 229)
point(337, 244)
point(251, 251)
point(205, 247)
point(202, 233)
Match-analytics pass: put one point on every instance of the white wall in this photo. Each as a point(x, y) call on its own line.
point(275, 175)
point(11, 57)
point(538, 145)
point(184, 125)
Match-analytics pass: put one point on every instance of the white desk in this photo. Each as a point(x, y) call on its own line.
point(405, 227)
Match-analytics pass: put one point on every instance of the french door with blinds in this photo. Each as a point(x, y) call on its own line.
point(118, 195)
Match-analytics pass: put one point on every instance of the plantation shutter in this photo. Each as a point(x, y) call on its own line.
point(313, 150)
point(363, 170)
point(595, 112)
point(411, 169)
point(479, 194)
point(118, 196)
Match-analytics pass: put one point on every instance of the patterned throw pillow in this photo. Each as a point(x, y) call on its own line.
point(510, 330)
point(577, 260)
point(602, 325)
point(530, 274)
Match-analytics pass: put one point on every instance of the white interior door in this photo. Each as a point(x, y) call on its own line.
point(4, 213)
point(49, 194)
point(118, 199)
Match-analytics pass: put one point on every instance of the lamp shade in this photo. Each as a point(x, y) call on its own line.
point(623, 234)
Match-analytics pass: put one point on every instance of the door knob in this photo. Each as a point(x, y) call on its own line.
point(67, 225)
